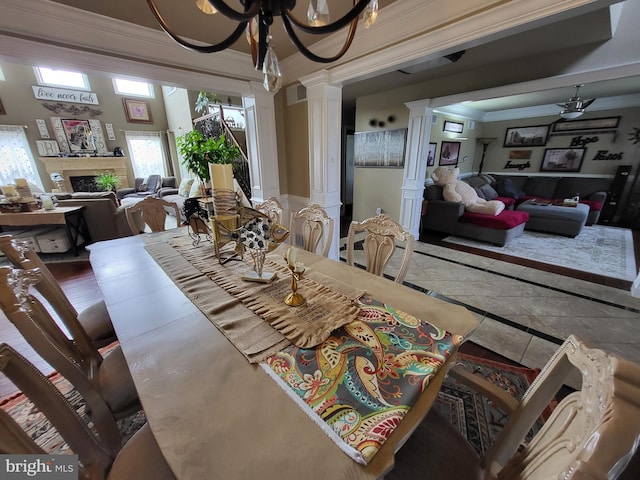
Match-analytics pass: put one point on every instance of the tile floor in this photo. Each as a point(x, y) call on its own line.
point(525, 313)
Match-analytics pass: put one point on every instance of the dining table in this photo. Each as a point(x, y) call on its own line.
point(213, 411)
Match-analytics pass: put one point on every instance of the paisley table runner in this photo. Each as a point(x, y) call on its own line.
point(362, 380)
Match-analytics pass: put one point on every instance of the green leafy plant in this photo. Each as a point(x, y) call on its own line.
point(198, 152)
point(107, 181)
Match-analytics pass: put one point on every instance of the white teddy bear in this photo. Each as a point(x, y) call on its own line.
point(454, 190)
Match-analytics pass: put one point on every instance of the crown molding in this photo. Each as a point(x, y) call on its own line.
point(62, 26)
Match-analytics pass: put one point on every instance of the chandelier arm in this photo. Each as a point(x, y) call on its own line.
point(312, 56)
point(230, 40)
point(358, 8)
point(252, 8)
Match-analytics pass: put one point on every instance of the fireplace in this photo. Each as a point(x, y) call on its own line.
point(84, 183)
point(85, 168)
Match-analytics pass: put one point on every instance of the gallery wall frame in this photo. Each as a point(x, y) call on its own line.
point(533, 136)
point(453, 127)
point(137, 111)
point(78, 135)
point(562, 159)
point(384, 148)
point(2, 110)
point(587, 124)
point(431, 154)
point(449, 152)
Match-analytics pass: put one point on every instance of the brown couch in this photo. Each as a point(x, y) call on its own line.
point(105, 219)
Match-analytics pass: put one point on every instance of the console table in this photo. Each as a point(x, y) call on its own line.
point(71, 217)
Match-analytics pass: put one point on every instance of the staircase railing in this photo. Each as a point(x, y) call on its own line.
point(214, 125)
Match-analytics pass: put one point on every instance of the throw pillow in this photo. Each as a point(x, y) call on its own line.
point(194, 191)
point(506, 188)
point(488, 192)
point(480, 193)
point(142, 187)
point(185, 187)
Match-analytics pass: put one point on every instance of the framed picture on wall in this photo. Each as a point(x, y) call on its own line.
point(562, 159)
point(383, 148)
point(138, 111)
point(453, 127)
point(431, 154)
point(449, 152)
point(78, 135)
point(526, 136)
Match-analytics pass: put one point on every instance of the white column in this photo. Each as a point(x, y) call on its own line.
point(262, 147)
point(324, 110)
point(415, 165)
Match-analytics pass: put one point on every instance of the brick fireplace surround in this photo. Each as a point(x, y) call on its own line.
point(85, 166)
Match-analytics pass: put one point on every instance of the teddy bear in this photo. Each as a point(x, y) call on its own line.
point(454, 190)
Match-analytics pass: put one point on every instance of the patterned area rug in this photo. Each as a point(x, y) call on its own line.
point(473, 415)
point(606, 251)
point(36, 425)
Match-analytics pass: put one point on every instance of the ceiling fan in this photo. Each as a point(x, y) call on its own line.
point(575, 106)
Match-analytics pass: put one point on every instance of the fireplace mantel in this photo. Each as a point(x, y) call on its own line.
point(81, 166)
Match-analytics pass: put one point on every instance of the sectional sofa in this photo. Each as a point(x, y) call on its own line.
point(451, 218)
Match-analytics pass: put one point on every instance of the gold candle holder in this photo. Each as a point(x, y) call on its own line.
point(294, 299)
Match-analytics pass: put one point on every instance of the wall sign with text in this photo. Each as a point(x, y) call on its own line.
point(63, 95)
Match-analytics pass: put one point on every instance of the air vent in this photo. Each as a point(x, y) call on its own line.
point(296, 94)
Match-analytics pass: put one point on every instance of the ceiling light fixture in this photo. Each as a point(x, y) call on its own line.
point(575, 107)
point(256, 18)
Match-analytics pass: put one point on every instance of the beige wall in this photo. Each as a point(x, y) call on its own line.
point(22, 108)
point(619, 144)
point(296, 143)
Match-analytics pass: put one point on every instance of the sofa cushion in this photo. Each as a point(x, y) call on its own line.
point(432, 192)
point(506, 220)
point(506, 188)
point(542, 187)
point(185, 187)
point(479, 192)
point(508, 201)
point(194, 191)
point(489, 192)
point(594, 206)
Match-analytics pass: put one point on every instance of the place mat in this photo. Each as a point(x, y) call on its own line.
point(330, 303)
point(360, 382)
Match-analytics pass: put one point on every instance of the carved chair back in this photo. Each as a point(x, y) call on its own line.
point(314, 226)
point(380, 244)
point(153, 213)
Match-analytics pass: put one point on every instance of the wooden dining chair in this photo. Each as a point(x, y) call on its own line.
point(380, 243)
point(93, 320)
point(153, 212)
point(103, 381)
point(314, 227)
point(591, 433)
point(271, 208)
point(139, 458)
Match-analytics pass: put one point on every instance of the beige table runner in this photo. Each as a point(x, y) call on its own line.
point(253, 316)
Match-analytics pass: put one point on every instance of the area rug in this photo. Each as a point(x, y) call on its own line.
point(600, 250)
point(472, 414)
point(36, 425)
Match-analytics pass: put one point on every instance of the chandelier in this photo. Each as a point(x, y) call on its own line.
point(575, 107)
point(255, 20)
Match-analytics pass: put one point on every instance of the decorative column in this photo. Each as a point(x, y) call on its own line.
point(415, 165)
point(262, 148)
point(324, 110)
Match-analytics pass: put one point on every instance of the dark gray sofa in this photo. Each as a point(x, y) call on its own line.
point(450, 217)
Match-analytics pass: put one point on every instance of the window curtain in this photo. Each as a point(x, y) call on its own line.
point(147, 152)
point(16, 159)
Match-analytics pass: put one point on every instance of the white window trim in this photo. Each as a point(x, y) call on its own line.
point(39, 79)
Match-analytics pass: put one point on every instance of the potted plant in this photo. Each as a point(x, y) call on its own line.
point(198, 152)
point(107, 181)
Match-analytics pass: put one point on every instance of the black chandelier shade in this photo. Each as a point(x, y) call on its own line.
point(265, 11)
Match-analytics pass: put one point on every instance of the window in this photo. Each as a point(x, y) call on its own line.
point(122, 86)
point(147, 153)
point(16, 160)
point(62, 78)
